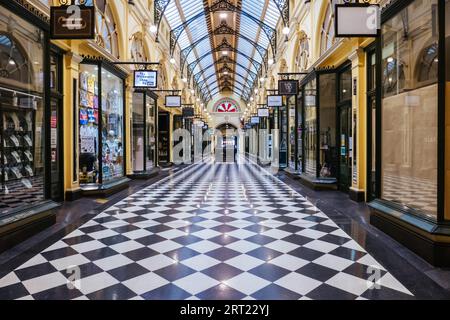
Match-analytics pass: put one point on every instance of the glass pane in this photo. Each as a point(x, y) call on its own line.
point(310, 128)
point(151, 133)
point(409, 108)
point(328, 167)
point(56, 191)
point(89, 120)
point(292, 141)
point(138, 146)
point(373, 182)
point(345, 83)
point(300, 133)
point(112, 126)
point(22, 138)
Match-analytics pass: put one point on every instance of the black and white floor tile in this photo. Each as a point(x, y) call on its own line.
point(210, 231)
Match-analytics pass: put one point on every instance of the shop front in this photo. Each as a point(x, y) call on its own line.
point(26, 135)
point(101, 128)
point(144, 138)
point(407, 128)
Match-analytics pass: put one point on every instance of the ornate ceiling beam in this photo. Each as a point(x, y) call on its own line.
point(223, 29)
point(223, 47)
point(222, 5)
point(283, 7)
point(160, 7)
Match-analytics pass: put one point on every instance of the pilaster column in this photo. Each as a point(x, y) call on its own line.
point(359, 122)
point(70, 115)
point(128, 124)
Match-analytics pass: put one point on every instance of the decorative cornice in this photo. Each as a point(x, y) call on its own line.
point(30, 8)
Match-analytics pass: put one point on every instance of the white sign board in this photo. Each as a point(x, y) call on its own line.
point(274, 101)
point(173, 101)
point(254, 120)
point(263, 112)
point(145, 79)
point(357, 20)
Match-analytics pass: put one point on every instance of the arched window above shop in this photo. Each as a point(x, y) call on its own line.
point(106, 27)
point(428, 64)
point(14, 64)
point(327, 32)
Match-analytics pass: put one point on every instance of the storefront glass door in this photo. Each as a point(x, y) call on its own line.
point(345, 165)
point(292, 132)
point(150, 127)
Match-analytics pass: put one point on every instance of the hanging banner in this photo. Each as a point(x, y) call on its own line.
point(288, 87)
point(263, 112)
point(173, 101)
point(254, 120)
point(357, 20)
point(274, 101)
point(145, 79)
point(72, 22)
point(187, 112)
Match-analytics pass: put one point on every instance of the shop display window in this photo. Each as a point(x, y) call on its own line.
point(327, 100)
point(101, 132)
point(22, 124)
point(112, 126)
point(310, 134)
point(409, 124)
point(291, 132)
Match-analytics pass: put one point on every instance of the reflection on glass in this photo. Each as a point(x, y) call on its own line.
point(112, 126)
point(89, 121)
point(327, 125)
point(151, 133)
point(291, 132)
point(310, 128)
point(138, 132)
point(300, 133)
point(22, 138)
point(409, 108)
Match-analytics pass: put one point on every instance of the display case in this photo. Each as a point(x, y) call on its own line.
point(22, 170)
point(101, 128)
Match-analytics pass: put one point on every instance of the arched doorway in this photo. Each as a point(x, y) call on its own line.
point(226, 142)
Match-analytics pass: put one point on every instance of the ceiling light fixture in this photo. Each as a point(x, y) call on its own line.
point(185, 80)
point(286, 30)
point(270, 62)
point(172, 61)
point(223, 15)
point(153, 28)
point(225, 53)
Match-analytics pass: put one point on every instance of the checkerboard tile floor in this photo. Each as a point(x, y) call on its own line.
point(211, 231)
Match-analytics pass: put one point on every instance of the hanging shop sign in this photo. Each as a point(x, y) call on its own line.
point(357, 20)
point(145, 79)
point(254, 120)
point(173, 101)
point(263, 112)
point(288, 87)
point(274, 101)
point(72, 22)
point(188, 112)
